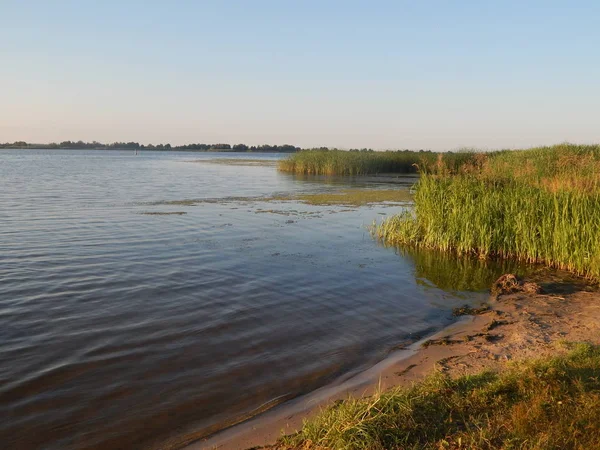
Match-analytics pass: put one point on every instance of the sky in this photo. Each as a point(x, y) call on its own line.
point(437, 75)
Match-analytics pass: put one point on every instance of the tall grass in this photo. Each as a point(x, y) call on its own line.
point(339, 162)
point(551, 403)
point(540, 205)
point(560, 167)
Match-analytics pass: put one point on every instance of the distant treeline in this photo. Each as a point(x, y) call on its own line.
point(95, 145)
point(80, 145)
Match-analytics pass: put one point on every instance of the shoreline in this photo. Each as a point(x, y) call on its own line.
point(516, 326)
point(264, 428)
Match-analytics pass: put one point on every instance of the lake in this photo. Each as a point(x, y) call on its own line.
point(147, 298)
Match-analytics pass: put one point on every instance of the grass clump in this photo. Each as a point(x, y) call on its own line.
point(551, 403)
point(538, 205)
point(340, 162)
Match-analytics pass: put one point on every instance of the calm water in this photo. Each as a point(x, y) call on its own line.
point(120, 329)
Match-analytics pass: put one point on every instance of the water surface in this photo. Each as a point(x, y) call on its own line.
point(145, 299)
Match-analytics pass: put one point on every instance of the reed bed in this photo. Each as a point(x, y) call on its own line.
point(540, 205)
point(551, 403)
point(340, 162)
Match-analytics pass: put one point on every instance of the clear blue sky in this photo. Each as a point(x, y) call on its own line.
point(397, 74)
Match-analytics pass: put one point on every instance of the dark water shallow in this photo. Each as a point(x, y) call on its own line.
point(120, 329)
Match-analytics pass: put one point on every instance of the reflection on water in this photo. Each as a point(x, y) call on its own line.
point(130, 317)
point(454, 273)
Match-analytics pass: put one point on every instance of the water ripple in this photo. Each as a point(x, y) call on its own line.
point(114, 323)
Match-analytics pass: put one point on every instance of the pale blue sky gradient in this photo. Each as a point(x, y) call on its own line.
point(397, 74)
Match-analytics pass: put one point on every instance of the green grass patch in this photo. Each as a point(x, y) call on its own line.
point(551, 403)
point(539, 205)
point(340, 162)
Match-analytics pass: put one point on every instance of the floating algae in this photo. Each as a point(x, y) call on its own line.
point(345, 197)
point(238, 162)
point(163, 213)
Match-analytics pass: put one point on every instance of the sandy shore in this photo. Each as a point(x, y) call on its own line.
point(514, 327)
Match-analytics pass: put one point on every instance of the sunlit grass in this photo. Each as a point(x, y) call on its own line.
point(539, 205)
point(551, 403)
point(339, 162)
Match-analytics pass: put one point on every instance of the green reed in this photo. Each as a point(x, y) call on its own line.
point(340, 162)
point(539, 205)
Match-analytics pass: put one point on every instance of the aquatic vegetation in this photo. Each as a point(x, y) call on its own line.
point(199, 201)
point(185, 202)
point(289, 212)
point(551, 403)
point(537, 206)
point(238, 162)
point(339, 162)
point(357, 197)
point(163, 213)
point(342, 197)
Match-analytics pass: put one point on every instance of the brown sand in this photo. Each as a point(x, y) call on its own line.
point(519, 325)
